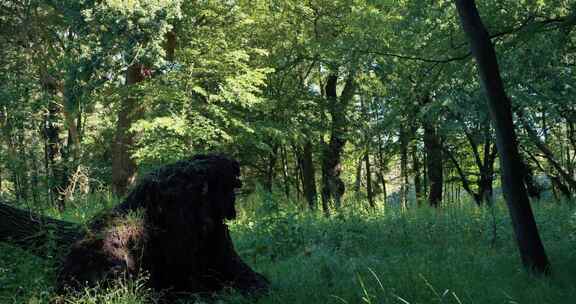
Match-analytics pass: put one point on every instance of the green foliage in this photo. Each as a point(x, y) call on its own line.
point(120, 292)
point(460, 254)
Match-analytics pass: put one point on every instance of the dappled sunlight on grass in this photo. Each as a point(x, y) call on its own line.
point(452, 255)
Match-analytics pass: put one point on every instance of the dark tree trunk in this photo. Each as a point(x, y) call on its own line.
point(433, 147)
point(332, 185)
point(404, 186)
point(547, 153)
point(325, 191)
point(272, 158)
point(369, 181)
point(485, 164)
point(382, 167)
point(123, 166)
point(417, 180)
point(285, 172)
point(358, 177)
point(557, 184)
point(534, 190)
point(463, 178)
point(530, 246)
point(56, 164)
point(383, 183)
point(33, 232)
point(308, 175)
point(485, 189)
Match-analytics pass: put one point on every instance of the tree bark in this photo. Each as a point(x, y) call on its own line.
point(272, 158)
point(433, 147)
point(123, 166)
point(33, 232)
point(369, 180)
point(528, 239)
point(463, 178)
point(487, 171)
point(284, 157)
point(358, 177)
point(333, 186)
point(308, 175)
point(404, 186)
point(56, 164)
point(416, 170)
point(548, 154)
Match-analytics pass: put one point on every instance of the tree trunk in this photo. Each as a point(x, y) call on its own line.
point(272, 158)
point(325, 191)
point(33, 232)
point(333, 186)
point(56, 164)
point(530, 246)
point(383, 183)
point(382, 168)
point(369, 181)
point(404, 186)
point(463, 178)
point(548, 154)
point(358, 177)
point(308, 175)
point(285, 172)
point(485, 189)
point(416, 170)
point(123, 166)
point(433, 147)
point(532, 187)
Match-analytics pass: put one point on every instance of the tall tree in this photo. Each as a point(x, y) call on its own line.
point(332, 185)
point(530, 246)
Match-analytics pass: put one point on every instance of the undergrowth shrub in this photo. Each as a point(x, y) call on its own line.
point(455, 254)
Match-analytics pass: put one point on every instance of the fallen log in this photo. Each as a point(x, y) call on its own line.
point(170, 227)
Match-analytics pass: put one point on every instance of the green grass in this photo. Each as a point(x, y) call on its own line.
point(458, 254)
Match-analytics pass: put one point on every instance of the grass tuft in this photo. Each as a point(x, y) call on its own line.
point(459, 254)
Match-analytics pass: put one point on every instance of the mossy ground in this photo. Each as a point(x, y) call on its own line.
point(457, 254)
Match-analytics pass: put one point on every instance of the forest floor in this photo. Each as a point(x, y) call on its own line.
point(458, 254)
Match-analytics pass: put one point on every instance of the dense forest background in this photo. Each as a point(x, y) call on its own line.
point(336, 110)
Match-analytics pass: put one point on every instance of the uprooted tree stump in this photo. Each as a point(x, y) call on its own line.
point(170, 227)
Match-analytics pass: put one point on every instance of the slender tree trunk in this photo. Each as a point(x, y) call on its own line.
point(382, 166)
point(284, 157)
point(425, 176)
point(308, 175)
point(369, 181)
point(298, 173)
point(530, 246)
point(487, 172)
point(56, 163)
point(270, 172)
point(404, 187)
point(417, 180)
point(383, 183)
point(548, 154)
point(433, 147)
point(463, 178)
point(532, 187)
point(325, 190)
point(358, 177)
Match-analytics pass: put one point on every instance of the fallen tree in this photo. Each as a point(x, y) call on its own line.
point(170, 226)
